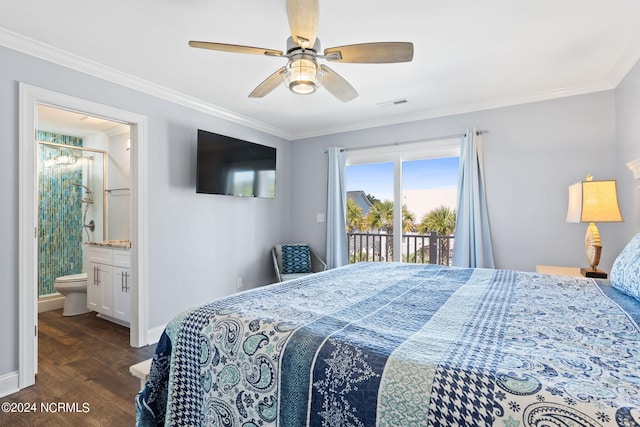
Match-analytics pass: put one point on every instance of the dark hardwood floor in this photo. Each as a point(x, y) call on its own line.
point(83, 365)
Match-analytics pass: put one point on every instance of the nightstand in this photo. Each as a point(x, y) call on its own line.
point(559, 271)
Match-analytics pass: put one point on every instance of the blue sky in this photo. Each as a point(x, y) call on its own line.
point(377, 178)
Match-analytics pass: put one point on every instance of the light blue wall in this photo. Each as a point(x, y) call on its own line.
point(198, 244)
point(533, 152)
point(628, 149)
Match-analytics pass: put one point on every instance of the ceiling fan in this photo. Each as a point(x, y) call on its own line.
point(302, 74)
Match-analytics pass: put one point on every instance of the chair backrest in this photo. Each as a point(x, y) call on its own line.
point(293, 258)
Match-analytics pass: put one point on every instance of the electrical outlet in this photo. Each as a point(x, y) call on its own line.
point(239, 283)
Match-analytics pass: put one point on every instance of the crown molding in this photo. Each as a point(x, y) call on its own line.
point(57, 56)
point(627, 60)
point(52, 54)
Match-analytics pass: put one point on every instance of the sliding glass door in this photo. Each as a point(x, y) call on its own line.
point(401, 203)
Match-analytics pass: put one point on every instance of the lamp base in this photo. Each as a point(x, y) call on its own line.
point(595, 273)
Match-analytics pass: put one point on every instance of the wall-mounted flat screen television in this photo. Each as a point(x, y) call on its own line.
point(234, 167)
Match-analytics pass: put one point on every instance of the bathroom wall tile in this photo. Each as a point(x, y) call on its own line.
point(60, 212)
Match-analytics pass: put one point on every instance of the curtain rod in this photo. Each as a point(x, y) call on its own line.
point(435, 138)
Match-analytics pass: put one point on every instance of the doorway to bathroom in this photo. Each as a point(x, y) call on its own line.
point(70, 208)
point(78, 177)
point(83, 198)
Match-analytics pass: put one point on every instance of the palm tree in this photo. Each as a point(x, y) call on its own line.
point(355, 219)
point(442, 220)
point(408, 220)
point(381, 216)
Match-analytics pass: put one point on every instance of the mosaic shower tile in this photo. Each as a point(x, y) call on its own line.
point(60, 212)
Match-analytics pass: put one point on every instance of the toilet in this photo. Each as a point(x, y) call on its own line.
point(74, 289)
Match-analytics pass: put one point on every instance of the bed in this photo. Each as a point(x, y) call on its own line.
point(393, 344)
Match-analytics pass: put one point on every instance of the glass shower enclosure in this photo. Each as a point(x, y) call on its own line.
point(71, 206)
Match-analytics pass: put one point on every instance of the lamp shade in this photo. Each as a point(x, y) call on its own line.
point(593, 201)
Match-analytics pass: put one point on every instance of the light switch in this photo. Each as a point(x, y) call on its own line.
point(320, 217)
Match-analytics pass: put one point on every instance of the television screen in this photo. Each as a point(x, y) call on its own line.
point(234, 167)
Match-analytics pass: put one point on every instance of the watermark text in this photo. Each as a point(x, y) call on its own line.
point(46, 407)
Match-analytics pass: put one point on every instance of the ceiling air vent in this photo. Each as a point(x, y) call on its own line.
point(392, 103)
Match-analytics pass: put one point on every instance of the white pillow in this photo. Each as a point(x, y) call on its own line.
point(625, 273)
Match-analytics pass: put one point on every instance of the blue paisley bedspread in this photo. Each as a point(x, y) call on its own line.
point(384, 344)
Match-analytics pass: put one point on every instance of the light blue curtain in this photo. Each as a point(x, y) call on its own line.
point(336, 209)
point(472, 245)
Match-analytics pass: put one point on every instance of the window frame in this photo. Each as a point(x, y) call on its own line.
point(397, 154)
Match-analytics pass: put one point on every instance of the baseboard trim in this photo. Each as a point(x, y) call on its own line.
point(9, 384)
point(54, 302)
point(154, 334)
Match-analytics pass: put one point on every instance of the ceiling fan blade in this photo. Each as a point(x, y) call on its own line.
point(268, 85)
point(303, 21)
point(371, 53)
point(337, 85)
point(235, 48)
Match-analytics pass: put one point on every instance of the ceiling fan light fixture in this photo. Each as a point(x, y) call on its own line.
point(302, 74)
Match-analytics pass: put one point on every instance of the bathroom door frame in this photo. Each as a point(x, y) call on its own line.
point(29, 99)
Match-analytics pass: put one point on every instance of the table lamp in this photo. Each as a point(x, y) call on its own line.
point(593, 201)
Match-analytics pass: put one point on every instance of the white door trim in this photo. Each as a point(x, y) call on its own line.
point(29, 98)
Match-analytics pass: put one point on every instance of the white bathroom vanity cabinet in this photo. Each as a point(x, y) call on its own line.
point(109, 282)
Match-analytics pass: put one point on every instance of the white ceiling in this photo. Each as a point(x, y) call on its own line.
point(469, 54)
point(74, 124)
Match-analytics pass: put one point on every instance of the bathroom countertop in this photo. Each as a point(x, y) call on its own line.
point(120, 244)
